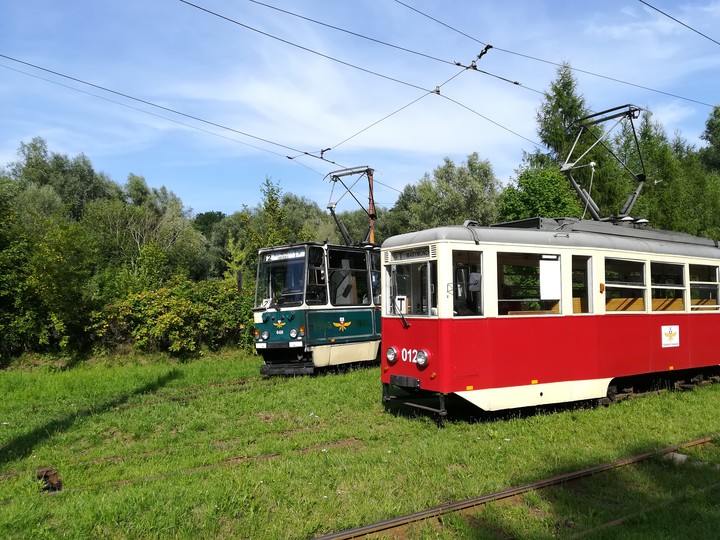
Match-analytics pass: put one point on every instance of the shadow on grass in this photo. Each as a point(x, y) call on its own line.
point(22, 446)
point(652, 499)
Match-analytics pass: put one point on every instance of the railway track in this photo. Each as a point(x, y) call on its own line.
point(396, 524)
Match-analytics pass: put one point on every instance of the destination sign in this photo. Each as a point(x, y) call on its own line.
point(284, 255)
point(415, 253)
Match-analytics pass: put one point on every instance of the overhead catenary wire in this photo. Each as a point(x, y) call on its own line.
point(145, 102)
point(680, 22)
point(391, 45)
point(138, 109)
point(558, 64)
point(307, 49)
point(435, 90)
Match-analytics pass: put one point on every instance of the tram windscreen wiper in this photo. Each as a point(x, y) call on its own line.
point(406, 324)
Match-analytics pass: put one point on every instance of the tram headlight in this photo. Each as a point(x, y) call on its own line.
point(293, 333)
point(265, 334)
point(391, 355)
point(422, 358)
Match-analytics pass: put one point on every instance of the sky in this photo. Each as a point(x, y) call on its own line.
point(209, 98)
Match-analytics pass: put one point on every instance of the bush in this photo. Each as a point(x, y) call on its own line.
point(180, 317)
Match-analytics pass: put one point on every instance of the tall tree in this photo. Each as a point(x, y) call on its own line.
point(710, 154)
point(539, 192)
point(74, 179)
point(264, 228)
point(206, 221)
point(306, 221)
point(561, 107)
point(452, 195)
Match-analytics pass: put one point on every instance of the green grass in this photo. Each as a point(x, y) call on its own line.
point(208, 449)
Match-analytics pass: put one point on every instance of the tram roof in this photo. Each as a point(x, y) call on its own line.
point(568, 232)
point(358, 247)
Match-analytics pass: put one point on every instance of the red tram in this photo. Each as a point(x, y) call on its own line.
point(544, 311)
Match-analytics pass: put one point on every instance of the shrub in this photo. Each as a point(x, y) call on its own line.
point(180, 317)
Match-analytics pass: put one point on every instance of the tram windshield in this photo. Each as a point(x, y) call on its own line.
point(281, 278)
point(413, 289)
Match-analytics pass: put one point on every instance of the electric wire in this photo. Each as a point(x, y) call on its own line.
point(680, 22)
point(435, 91)
point(104, 98)
point(558, 64)
point(322, 152)
point(534, 143)
point(145, 102)
point(128, 106)
point(385, 43)
point(351, 32)
point(306, 49)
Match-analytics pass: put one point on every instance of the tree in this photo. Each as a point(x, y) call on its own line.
point(73, 179)
point(264, 228)
point(206, 221)
point(46, 260)
point(562, 106)
point(306, 221)
point(539, 192)
point(710, 154)
point(452, 195)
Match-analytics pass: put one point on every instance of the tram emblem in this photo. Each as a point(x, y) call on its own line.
point(670, 336)
point(279, 324)
point(342, 325)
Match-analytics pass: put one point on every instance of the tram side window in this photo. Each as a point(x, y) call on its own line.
point(349, 279)
point(528, 284)
point(467, 283)
point(414, 289)
point(703, 287)
point(316, 293)
point(624, 285)
point(668, 286)
point(581, 271)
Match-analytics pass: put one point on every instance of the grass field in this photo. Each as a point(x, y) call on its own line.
point(208, 449)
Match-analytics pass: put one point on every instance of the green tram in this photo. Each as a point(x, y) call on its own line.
point(317, 305)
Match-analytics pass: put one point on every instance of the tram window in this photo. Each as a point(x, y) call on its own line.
point(467, 283)
point(316, 293)
point(667, 284)
point(703, 287)
point(528, 284)
point(581, 284)
point(349, 279)
point(375, 277)
point(281, 278)
point(624, 285)
point(414, 289)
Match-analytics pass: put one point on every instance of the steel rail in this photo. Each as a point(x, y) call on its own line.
point(401, 521)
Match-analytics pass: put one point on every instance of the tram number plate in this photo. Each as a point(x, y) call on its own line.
point(409, 355)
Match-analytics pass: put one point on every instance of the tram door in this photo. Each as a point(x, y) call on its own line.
point(467, 283)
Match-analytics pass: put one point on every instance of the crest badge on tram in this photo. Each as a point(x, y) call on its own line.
point(670, 336)
point(342, 325)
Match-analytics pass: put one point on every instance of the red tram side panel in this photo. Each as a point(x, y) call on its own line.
point(598, 318)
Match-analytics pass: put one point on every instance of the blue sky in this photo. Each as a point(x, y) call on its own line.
point(265, 85)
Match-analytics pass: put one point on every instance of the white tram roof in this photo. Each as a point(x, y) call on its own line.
point(568, 232)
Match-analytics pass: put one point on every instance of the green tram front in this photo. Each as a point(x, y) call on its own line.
point(316, 305)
